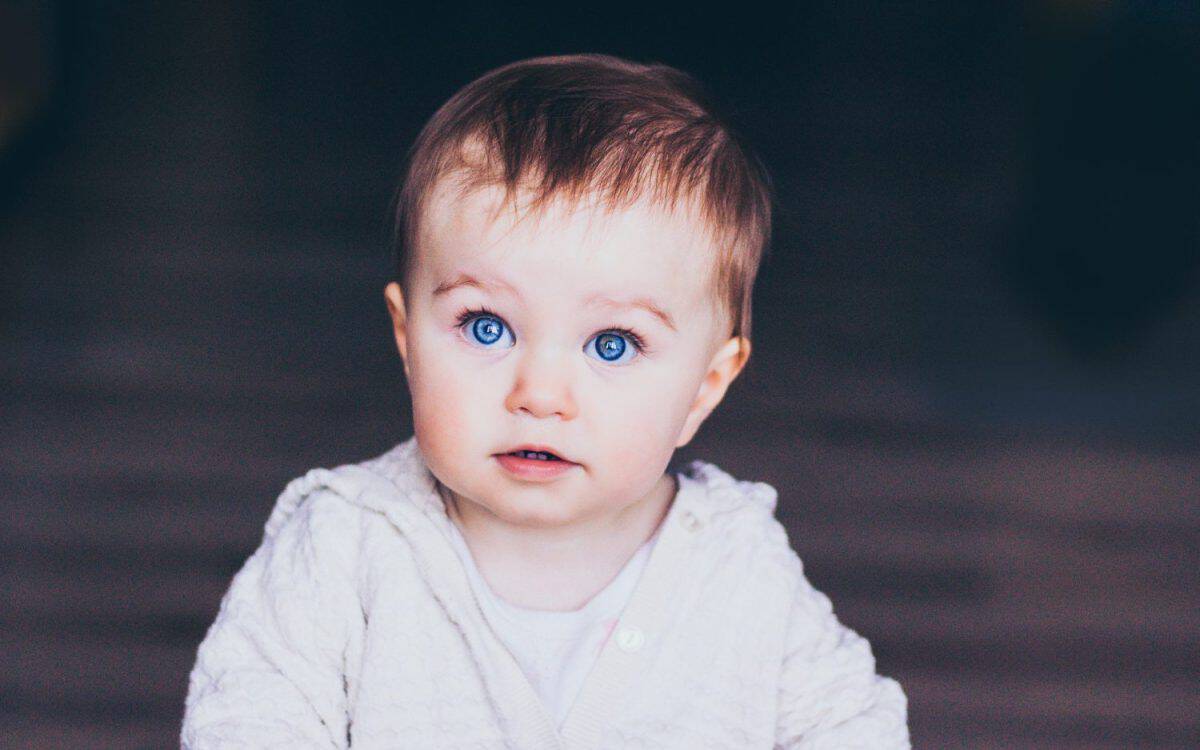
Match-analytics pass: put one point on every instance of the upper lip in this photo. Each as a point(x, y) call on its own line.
point(540, 449)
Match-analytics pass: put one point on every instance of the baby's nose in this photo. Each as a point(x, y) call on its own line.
point(543, 389)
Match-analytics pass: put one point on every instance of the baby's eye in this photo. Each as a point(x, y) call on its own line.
point(612, 346)
point(486, 330)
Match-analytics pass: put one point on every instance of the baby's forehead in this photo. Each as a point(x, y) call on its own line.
point(641, 245)
point(490, 222)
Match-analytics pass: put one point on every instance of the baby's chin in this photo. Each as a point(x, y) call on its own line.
point(531, 507)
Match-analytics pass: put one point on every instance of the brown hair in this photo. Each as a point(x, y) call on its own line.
point(566, 127)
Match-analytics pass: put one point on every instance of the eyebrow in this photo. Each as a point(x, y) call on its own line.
point(464, 279)
point(644, 303)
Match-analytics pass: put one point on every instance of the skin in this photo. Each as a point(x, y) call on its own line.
point(553, 545)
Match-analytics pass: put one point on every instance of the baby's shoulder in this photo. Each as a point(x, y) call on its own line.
point(348, 493)
point(346, 523)
point(735, 505)
point(313, 501)
point(740, 517)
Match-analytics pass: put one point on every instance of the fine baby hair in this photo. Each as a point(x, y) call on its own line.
point(591, 126)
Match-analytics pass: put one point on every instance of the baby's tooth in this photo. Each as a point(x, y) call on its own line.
point(534, 454)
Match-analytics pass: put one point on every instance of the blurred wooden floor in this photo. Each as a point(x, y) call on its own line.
point(193, 315)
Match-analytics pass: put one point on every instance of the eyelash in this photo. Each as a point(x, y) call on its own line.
point(469, 313)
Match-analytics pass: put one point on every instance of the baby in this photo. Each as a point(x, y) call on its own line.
point(577, 239)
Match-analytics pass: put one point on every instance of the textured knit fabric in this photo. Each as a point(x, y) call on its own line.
point(555, 650)
point(354, 624)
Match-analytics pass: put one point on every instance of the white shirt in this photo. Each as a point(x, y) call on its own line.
point(555, 650)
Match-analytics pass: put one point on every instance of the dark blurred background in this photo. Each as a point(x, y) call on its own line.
point(975, 366)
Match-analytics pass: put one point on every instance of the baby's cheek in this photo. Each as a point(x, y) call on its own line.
point(658, 407)
point(442, 406)
point(443, 378)
point(642, 434)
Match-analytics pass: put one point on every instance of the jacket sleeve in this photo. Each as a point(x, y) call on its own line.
point(269, 672)
point(830, 696)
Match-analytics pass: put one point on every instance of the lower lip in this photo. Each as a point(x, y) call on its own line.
point(533, 468)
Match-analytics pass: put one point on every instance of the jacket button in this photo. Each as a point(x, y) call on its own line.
point(630, 639)
point(690, 521)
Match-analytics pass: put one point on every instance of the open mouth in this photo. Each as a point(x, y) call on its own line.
point(535, 465)
point(538, 455)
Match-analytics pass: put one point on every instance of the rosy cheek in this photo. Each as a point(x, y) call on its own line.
point(441, 395)
point(445, 396)
point(629, 451)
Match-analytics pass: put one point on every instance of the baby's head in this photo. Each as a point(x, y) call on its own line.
point(577, 241)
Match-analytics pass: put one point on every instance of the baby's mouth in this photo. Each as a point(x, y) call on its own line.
point(538, 455)
point(535, 463)
point(538, 452)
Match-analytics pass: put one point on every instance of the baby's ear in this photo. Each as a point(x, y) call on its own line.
point(395, 304)
point(724, 367)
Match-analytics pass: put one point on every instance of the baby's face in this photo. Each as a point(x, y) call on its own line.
point(594, 334)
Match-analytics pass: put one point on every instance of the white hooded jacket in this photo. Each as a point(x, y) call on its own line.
point(354, 625)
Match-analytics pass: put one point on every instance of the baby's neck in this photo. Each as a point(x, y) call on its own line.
point(559, 569)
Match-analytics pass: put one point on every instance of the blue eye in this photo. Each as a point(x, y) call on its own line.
point(485, 330)
point(611, 347)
